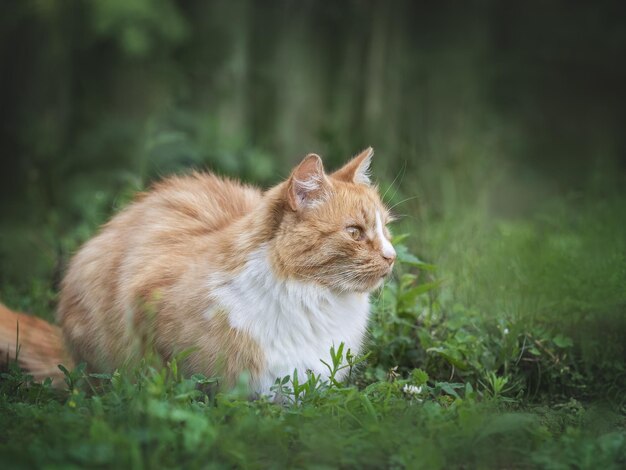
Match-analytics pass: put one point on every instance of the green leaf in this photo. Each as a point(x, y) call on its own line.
point(405, 257)
point(419, 377)
point(101, 376)
point(449, 388)
point(203, 380)
point(398, 239)
point(410, 295)
point(563, 341)
point(458, 363)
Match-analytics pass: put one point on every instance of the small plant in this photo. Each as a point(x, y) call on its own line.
point(495, 387)
point(291, 389)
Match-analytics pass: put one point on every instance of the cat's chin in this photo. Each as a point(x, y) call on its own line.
point(379, 283)
point(372, 286)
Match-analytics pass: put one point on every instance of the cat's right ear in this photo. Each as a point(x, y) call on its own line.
point(307, 184)
point(357, 170)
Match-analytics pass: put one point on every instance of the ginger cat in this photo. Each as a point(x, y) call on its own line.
point(264, 282)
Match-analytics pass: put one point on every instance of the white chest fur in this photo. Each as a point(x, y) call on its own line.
point(294, 323)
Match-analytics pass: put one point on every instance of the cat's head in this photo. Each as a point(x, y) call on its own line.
point(334, 227)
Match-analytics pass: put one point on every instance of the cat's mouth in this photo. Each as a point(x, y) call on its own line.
point(377, 280)
point(387, 271)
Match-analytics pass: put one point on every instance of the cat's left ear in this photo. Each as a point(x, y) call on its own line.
point(357, 169)
point(307, 184)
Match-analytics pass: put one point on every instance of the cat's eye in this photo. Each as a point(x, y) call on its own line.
point(356, 233)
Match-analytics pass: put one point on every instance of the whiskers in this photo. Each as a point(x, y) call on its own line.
point(399, 174)
point(403, 201)
point(396, 187)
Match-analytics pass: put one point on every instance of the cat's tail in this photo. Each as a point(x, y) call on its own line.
point(36, 345)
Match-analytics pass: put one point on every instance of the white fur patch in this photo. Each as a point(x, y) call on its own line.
point(386, 246)
point(294, 323)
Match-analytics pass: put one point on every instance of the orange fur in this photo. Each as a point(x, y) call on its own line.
point(40, 345)
point(146, 271)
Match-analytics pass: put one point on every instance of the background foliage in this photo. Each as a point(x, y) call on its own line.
point(499, 131)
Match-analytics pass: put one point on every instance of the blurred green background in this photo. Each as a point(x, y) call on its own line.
point(498, 129)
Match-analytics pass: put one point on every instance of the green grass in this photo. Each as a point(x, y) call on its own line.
point(153, 418)
point(504, 350)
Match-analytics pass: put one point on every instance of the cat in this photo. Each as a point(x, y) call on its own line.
point(263, 282)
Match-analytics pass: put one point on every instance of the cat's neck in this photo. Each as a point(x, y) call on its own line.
point(285, 314)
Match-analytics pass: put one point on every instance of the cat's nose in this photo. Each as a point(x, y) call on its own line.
point(387, 251)
point(390, 258)
point(389, 254)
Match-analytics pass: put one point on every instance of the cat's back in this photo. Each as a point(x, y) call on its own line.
point(175, 213)
point(163, 225)
point(144, 249)
point(198, 202)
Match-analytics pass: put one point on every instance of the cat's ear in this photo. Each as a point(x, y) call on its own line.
point(356, 170)
point(307, 184)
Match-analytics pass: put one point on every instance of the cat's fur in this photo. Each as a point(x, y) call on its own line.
point(251, 281)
